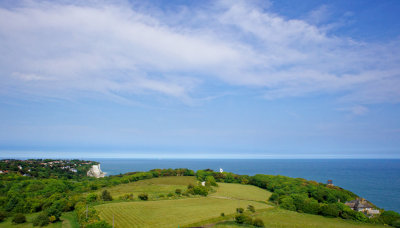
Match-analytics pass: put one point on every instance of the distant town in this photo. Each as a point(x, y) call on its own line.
point(45, 168)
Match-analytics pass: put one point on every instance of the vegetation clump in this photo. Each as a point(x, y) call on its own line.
point(143, 196)
point(19, 218)
point(41, 220)
point(106, 196)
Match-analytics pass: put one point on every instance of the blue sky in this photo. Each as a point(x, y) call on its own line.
point(200, 79)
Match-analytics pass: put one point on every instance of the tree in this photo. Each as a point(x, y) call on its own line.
point(106, 196)
point(19, 218)
point(239, 210)
point(178, 191)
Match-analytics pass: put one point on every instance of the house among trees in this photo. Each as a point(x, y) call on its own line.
point(363, 206)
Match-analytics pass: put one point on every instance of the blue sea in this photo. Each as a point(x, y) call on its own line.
point(377, 180)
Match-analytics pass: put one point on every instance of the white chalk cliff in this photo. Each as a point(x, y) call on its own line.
point(95, 171)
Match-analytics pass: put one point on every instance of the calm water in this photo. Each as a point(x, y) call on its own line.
point(376, 180)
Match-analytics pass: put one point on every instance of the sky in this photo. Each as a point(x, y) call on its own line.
point(200, 79)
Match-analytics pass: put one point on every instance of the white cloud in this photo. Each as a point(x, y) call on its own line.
point(123, 49)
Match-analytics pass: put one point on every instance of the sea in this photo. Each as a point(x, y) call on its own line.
point(377, 180)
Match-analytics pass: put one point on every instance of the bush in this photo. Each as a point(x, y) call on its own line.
point(143, 196)
point(239, 210)
point(330, 210)
point(3, 215)
point(106, 196)
point(41, 220)
point(258, 222)
point(127, 197)
point(91, 197)
point(251, 208)
point(287, 203)
point(170, 194)
point(222, 214)
point(19, 218)
point(100, 224)
point(243, 219)
point(178, 191)
point(54, 211)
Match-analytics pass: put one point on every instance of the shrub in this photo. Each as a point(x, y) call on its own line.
point(54, 211)
point(99, 224)
point(106, 196)
point(222, 214)
point(41, 220)
point(287, 203)
point(330, 210)
point(190, 186)
point(127, 197)
point(251, 208)
point(161, 195)
point(170, 194)
point(178, 191)
point(3, 215)
point(200, 190)
point(91, 197)
point(243, 219)
point(239, 210)
point(52, 218)
point(19, 218)
point(258, 222)
point(143, 196)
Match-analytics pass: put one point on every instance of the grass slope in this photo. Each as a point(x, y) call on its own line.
point(170, 213)
point(278, 218)
point(153, 187)
point(238, 191)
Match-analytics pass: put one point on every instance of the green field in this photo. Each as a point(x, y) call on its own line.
point(68, 220)
point(278, 218)
point(170, 213)
point(153, 187)
point(238, 191)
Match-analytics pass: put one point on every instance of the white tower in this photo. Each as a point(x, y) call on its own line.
point(221, 170)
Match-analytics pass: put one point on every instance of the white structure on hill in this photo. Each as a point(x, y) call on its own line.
point(221, 170)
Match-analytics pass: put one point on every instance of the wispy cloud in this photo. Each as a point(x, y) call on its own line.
point(127, 49)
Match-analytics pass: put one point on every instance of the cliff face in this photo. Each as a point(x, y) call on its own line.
point(95, 171)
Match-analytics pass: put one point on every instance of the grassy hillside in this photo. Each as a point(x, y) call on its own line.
point(174, 213)
point(153, 187)
point(239, 191)
point(278, 218)
point(170, 213)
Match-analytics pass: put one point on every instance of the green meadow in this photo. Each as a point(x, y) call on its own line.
point(153, 187)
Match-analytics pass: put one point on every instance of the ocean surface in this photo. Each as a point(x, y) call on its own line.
point(377, 180)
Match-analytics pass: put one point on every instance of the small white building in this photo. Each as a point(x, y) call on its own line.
point(221, 170)
point(203, 183)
